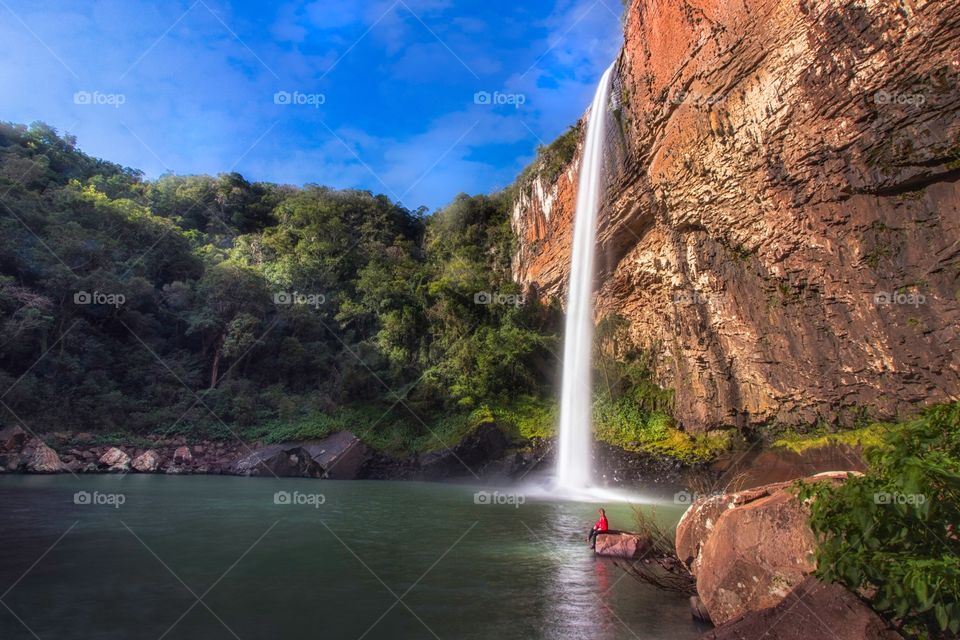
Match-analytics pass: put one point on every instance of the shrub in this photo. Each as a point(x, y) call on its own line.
point(892, 534)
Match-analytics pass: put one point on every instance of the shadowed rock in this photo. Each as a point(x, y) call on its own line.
point(342, 455)
point(486, 443)
point(811, 610)
point(283, 460)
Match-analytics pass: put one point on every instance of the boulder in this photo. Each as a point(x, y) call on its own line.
point(341, 455)
point(749, 549)
point(12, 439)
point(282, 460)
point(114, 460)
point(146, 462)
point(182, 455)
point(700, 518)
point(622, 544)
point(44, 460)
point(812, 609)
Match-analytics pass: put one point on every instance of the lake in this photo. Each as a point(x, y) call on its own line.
point(152, 556)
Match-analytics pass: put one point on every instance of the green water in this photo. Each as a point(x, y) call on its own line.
point(413, 560)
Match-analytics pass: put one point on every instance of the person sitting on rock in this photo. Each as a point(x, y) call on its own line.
point(601, 526)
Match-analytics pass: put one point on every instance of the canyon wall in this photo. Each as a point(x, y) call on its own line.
point(782, 215)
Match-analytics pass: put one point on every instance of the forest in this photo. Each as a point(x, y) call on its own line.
point(210, 306)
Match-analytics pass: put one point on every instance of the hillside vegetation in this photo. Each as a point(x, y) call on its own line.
point(206, 305)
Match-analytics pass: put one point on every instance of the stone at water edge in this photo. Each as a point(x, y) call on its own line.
point(811, 610)
point(114, 460)
point(757, 547)
point(342, 455)
point(44, 460)
point(285, 460)
point(621, 544)
point(146, 462)
point(699, 519)
point(182, 455)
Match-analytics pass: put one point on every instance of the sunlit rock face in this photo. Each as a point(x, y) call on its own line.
point(782, 219)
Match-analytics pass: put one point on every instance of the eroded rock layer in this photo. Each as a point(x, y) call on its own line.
point(782, 220)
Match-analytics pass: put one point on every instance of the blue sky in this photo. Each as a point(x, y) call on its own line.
point(375, 94)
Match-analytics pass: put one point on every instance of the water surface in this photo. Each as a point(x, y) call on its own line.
point(216, 557)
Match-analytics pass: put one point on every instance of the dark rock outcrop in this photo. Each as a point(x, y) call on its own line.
point(811, 610)
point(468, 457)
point(283, 460)
point(342, 455)
point(782, 218)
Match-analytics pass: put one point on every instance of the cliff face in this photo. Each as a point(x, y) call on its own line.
point(782, 219)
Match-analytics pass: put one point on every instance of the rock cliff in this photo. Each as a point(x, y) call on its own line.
point(782, 215)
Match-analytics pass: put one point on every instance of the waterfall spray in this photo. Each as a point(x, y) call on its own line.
point(576, 400)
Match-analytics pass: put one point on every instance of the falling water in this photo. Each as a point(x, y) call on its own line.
point(573, 468)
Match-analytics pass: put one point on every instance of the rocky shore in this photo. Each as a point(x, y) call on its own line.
point(485, 453)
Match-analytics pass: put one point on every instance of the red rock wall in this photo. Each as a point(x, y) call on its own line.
point(774, 166)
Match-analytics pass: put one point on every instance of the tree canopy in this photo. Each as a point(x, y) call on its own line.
point(190, 303)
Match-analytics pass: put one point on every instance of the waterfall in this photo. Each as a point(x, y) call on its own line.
point(576, 400)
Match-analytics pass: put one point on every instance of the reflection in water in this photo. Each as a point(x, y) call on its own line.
point(580, 585)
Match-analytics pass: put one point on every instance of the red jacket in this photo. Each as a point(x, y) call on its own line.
point(601, 524)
